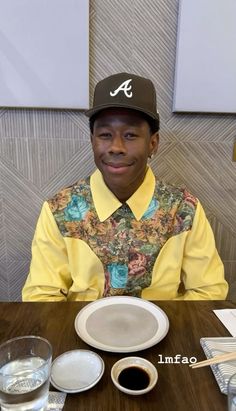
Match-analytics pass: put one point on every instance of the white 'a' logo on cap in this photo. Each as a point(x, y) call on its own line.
point(123, 87)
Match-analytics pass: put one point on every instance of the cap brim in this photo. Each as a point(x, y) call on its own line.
point(91, 112)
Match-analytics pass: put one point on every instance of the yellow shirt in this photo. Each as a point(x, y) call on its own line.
point(88, 245)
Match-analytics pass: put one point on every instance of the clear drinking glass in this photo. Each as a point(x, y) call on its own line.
point(25, 364)
point(232, 393)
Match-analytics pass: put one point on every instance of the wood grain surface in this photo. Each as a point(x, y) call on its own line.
point(179, 387)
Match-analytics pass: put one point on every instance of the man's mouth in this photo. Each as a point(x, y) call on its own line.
point(114, 167)
point(117, 165)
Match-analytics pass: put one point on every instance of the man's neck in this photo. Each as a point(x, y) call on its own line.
point(124, 193)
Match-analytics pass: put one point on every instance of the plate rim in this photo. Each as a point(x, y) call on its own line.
point(86, 387)
point(106, 301)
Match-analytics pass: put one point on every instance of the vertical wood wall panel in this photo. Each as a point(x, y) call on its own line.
point(44, 150)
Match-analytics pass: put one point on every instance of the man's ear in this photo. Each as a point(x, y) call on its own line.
point(154, 142)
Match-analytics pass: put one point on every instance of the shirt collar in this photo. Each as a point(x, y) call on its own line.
point(106, 202)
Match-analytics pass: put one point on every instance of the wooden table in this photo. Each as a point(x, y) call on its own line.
point(178, 388)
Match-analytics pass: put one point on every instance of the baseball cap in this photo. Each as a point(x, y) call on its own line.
point(125, 90)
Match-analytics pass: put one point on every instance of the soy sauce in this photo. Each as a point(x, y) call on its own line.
point(134, 378)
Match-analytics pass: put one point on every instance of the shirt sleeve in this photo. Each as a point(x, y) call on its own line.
point(202, 268)
point(49, 278)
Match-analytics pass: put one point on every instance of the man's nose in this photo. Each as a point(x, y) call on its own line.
point(117, 145)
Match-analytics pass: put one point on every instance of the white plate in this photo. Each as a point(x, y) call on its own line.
point(76, 371)
point(121, 324)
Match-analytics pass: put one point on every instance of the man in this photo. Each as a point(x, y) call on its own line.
point(122, 231)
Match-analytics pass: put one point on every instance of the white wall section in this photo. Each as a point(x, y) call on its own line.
point(205, 72)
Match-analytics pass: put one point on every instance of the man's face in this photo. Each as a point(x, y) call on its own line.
point(122, 142)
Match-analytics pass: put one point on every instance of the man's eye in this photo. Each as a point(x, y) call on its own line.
point(105, 136)
point(130, 136)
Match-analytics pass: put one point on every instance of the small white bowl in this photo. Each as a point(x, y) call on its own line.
point(76, 371)
point(137, 362)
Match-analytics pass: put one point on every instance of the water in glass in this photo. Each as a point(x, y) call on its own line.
point(24, 384)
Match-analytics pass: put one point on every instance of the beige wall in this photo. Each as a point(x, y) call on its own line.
point(44, 150)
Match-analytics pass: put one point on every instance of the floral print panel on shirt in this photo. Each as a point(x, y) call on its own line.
point(126, 247)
